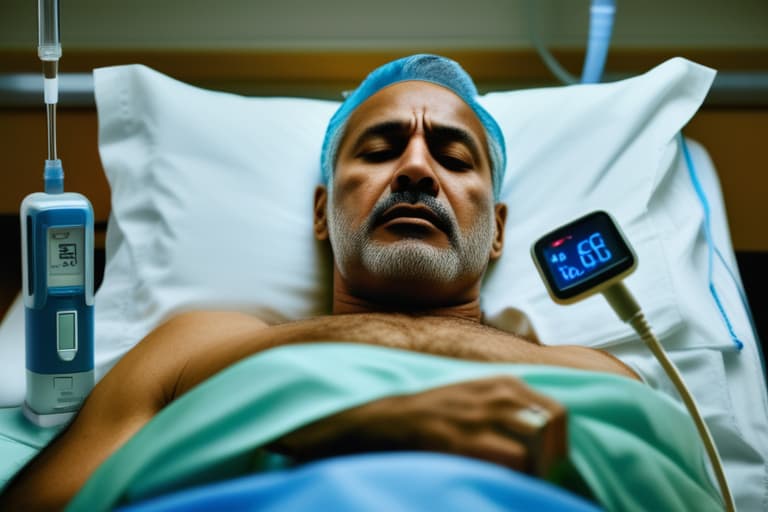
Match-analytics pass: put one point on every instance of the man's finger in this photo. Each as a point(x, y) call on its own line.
point(544, 434)
point(497, 448)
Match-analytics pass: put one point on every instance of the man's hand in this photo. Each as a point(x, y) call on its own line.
point(497, 419)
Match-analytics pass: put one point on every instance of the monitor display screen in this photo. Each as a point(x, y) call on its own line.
point(582, 254)
point(65, 256)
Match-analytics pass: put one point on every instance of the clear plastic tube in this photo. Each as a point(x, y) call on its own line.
point(49, 39)
point(49, 51)
point(600, 30)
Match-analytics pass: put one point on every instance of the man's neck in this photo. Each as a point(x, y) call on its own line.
point(346, 302)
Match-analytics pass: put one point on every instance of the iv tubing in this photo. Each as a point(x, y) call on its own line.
point(625, 306)
point(50, 111)
point(552, 64)
point(600, 29)
point(49, 51)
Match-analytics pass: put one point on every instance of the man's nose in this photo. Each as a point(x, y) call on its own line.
point(415, 172)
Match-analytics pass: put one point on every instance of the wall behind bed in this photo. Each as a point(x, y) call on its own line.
point(318, 48)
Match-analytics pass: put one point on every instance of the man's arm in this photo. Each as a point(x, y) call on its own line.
point(137, 388)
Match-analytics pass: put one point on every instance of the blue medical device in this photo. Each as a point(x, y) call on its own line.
point(57, 270)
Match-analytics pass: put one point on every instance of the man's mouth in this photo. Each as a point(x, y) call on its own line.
point(413, 214)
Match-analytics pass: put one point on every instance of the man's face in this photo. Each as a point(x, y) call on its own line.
point(411, 201)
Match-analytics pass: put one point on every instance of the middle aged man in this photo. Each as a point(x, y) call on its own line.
point(413, 166)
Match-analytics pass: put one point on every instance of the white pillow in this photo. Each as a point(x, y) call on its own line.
point(572, 150)
point(212, 198)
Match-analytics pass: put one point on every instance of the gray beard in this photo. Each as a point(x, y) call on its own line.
point(411, 258)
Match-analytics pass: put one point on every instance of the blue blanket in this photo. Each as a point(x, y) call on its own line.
point(401, 481)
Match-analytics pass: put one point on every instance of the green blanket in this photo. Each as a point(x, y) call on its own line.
point(634, 448)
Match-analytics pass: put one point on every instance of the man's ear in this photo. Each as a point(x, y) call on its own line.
point(321, 213)
point(500, 216)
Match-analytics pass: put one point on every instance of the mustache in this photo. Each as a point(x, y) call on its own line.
point(445, 220)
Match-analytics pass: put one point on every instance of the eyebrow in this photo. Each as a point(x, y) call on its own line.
point(444, 133)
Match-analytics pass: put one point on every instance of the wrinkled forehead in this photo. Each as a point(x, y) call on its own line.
point(416, 102)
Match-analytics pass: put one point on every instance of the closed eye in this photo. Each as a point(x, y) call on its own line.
point(379, 155)
point(453, 163)
point(454, 148)
point(453, 156)
point(379, 149)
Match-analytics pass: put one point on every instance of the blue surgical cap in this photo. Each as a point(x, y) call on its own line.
point(426, 68)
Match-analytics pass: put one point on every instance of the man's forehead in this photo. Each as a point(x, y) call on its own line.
point(405, 101)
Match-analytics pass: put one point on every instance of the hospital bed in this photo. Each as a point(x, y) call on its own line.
point(165, 144)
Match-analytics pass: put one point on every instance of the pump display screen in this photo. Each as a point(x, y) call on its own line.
point(66, 256)
point(66, 330)
point(582, 254)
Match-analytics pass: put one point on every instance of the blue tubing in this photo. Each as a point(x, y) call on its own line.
point(711, 247)
point(53, 175)
point(600, 29)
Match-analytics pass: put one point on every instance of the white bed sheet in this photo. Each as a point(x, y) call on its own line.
point(729, 386)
